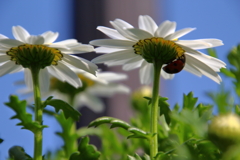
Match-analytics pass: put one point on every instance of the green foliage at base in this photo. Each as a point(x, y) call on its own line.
point(85, 151)
point(19, 107)
point(18, 153)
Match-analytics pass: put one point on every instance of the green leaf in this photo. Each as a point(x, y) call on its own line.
point(227, 73)
point(26, 118)
point(222, 100)
point(164, 108)
point(237, 110)
point(137, 133)
point(1, 140)
point(114, 121)
point(189, 101)
point(18, 153)
point(137, 157)
point(67, 109)
point(212, 52)
point(68, 134)
point(85, 151)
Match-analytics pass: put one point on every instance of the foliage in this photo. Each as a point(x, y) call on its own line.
point(85, 151)
point(67, 109)
point(26, 118)
point(186, 131)
point(18, 153)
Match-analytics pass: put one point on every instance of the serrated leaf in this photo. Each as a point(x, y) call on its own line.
point(119, 123)
point(18, 153)
point(26, 118)
point(137, 133)
point(222, 100)
point(68, 134)
point(114, 121)
point(85, 151)
point(164, 108)
point(67, 109)
point(189, 101)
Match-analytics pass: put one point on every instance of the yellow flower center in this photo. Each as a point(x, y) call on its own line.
point(158, 49)
point(86, 81)
point(29, 55)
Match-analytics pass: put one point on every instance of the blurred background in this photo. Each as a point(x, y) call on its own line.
point(79, 19)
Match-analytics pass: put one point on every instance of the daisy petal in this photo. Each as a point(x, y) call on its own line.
point(121, 23)
point(120, 55)
point(44, 80)
point(200, 43)
point(146, 73)
point(165, 29)
point(147, 23)
point(81, 48)
point(112, 77)
point(203, 68)
point(35, 40)
point(179, 33)
point(211, 61)
point(10, 42)
point(112, 33)
point(49, 37)
point(192, 69)
point(94, 103)
point(106, 50)
point(20, 33)
point(67, 42)
point(112, 43)
point(166, 75)
point(67, 74)
point(80, 63)
point(4, 58)
point(8, 67)
point(120, 26)
point(3, 37)
point(138, 33)
point(28, 78)
point(133, 63)
point(108, 90)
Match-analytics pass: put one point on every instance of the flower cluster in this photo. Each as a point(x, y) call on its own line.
point(27, 51)
point(139, 47)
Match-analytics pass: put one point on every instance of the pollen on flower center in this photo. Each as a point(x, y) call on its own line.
point(158, 49)
point(29, 55)
point(86, 81)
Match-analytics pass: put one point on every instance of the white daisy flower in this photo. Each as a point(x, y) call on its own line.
point(139, 47)
point(101, 85)
point(27, 51)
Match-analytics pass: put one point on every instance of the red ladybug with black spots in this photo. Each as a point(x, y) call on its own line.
point(175, 66)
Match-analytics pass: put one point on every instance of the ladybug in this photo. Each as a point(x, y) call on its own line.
point(175, 66)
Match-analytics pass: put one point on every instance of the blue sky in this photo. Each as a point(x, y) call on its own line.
point(213, 19)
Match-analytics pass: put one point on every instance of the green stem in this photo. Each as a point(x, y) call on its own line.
point(38, 113)
point(155, 110)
